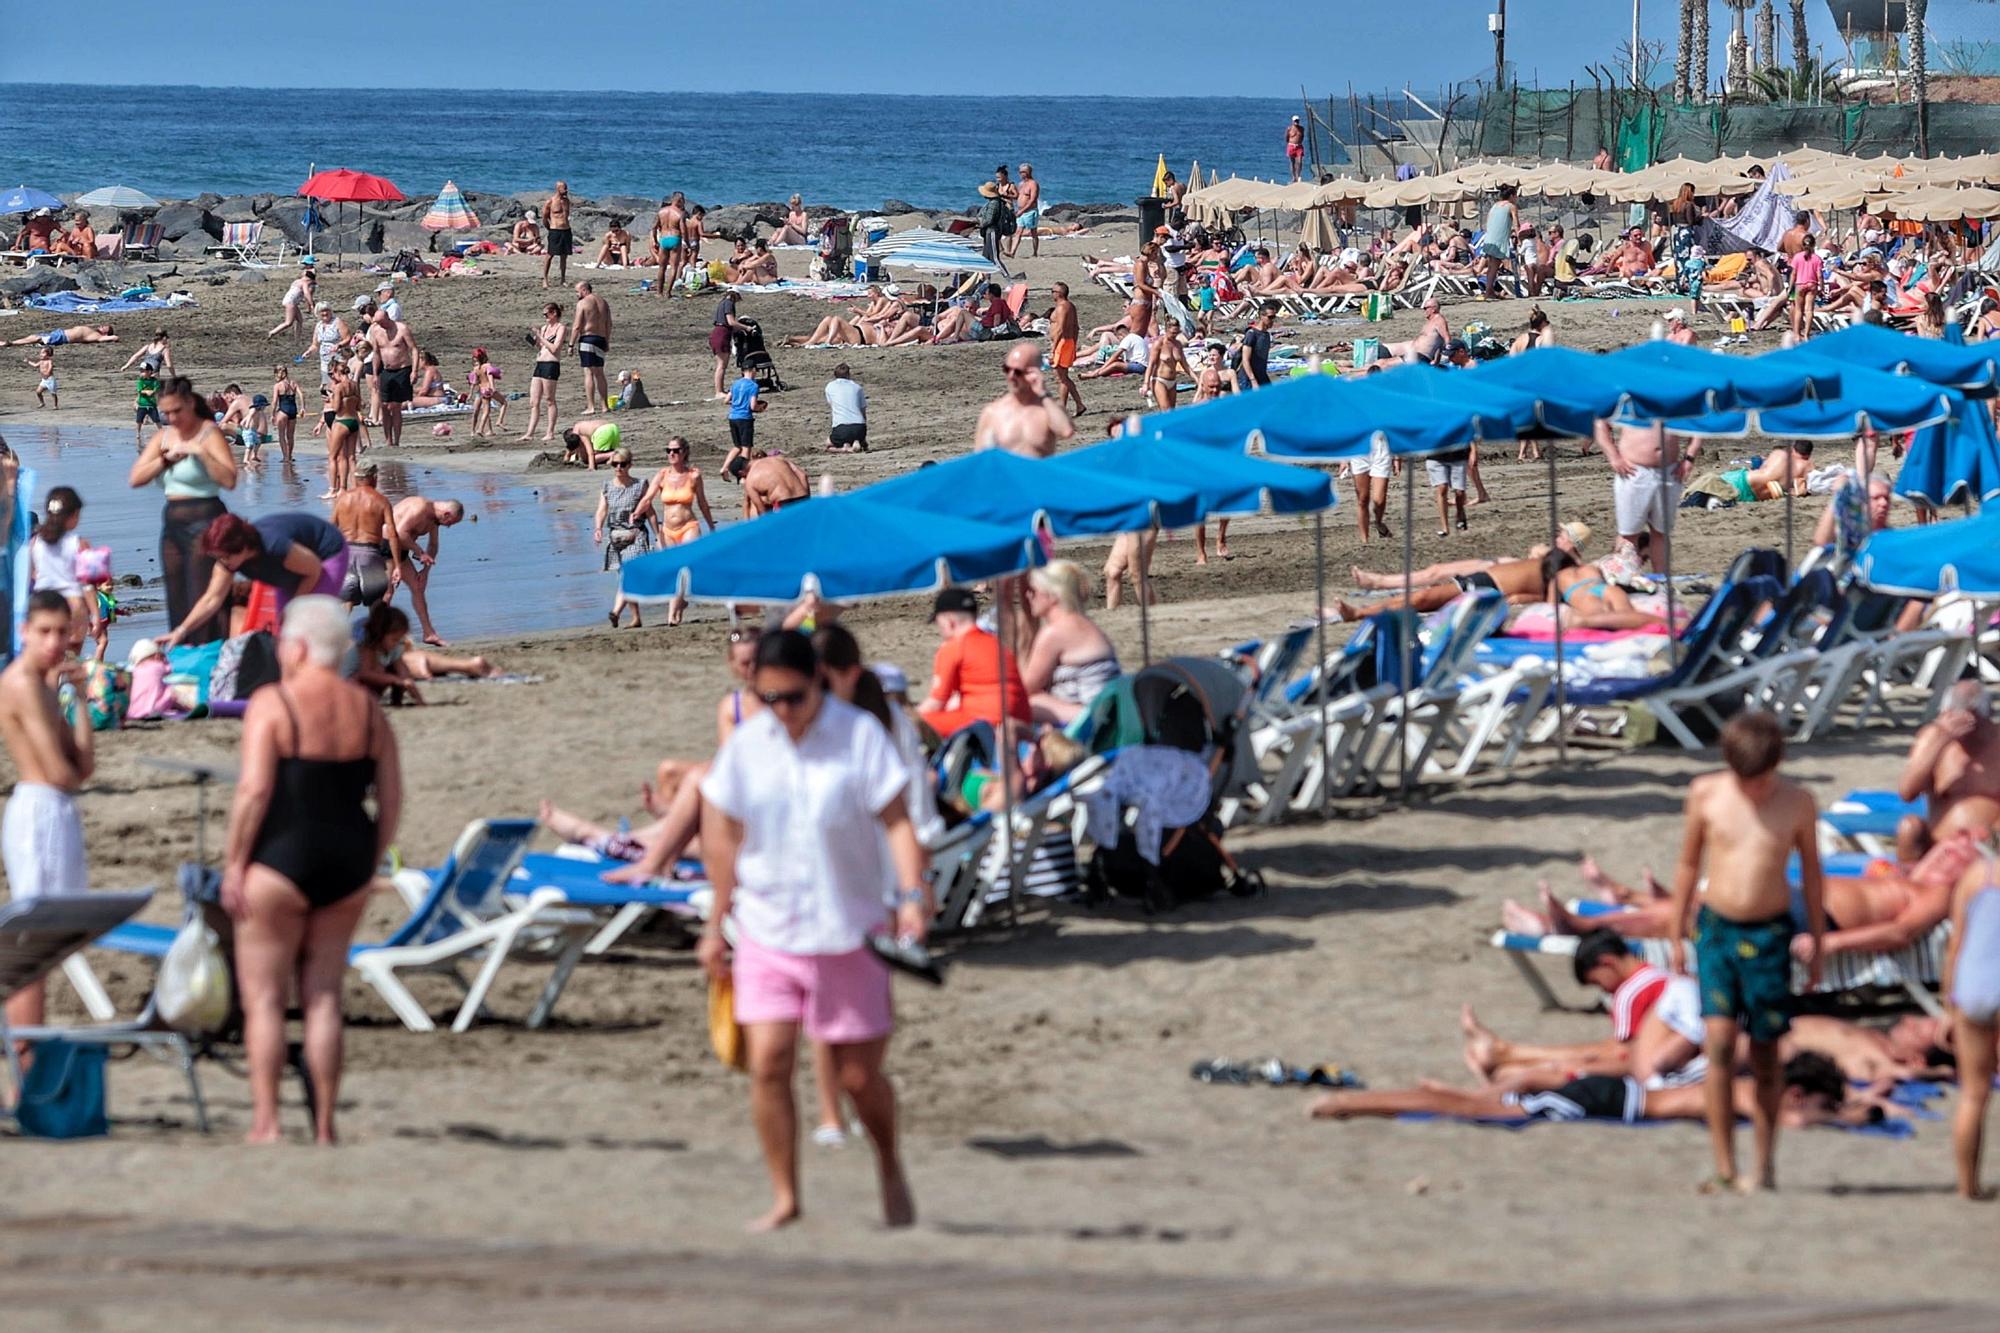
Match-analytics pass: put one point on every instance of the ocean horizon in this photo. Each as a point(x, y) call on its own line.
point(851, 151)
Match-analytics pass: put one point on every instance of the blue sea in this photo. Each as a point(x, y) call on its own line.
point(849, 151)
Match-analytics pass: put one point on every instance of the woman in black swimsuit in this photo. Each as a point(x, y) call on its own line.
point(302, 848)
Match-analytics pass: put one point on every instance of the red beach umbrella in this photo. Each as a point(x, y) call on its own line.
point(350, 187)
point(342, 186)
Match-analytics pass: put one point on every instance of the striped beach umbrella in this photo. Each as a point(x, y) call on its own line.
point(450, 212)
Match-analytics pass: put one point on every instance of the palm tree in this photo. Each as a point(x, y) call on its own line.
point(1700, 77)
point(1683, 59)
point(1800, 41)
point(1920, 74)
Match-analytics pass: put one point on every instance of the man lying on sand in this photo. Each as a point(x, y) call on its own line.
point(76, 333)
point(1520, 581)
point(1814, 1094)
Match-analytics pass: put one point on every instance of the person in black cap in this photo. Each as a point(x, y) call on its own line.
point(972, 678)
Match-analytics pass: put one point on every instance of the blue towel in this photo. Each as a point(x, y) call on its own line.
point(76, 303)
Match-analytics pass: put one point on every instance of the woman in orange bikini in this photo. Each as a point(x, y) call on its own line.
point(677, 488)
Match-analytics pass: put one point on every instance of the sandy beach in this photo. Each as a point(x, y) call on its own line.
point(1055, 1140)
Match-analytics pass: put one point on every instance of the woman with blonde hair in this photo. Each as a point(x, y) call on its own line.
point(1071, 659)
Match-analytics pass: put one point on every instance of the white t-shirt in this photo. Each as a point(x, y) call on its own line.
point(848, 404)
point(1132, 349)
point(809, 879)
point(55, 564)
point(1679, 1007)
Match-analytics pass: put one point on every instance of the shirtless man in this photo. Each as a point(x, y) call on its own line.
point(395, 364)
point(374, 547)
point(1642, 496)
point(1024, 420)
point(41, 837)
point(590, 334)
point(1955, 763)
point(772, 482)
point(1520, 581)
point(1428, 346)
point(419, 520)
point(1571, 538)
point(1746, 822)
point(561, 241)
point(670, 235)
point(76, 333)
point(1028, 214)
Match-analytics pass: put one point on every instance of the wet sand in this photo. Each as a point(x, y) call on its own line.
point(1050, 1122)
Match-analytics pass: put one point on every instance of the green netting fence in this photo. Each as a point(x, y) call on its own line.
point(1641, 127)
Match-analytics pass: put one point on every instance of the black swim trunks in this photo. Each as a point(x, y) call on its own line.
point(590, 350)
point(395, 384)
point(1476, 581)
point(548, 370)
point(851, 434)
point(1592, 1097)
point(559, 240)
point(742, 431)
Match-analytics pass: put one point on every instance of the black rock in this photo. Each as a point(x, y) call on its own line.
point(181, 221)
point(237, 208)
point(894, 206)
point(39, 280)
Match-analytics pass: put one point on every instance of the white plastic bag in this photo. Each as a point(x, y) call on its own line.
point(192, 995)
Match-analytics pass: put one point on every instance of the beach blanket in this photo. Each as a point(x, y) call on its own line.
point(1760, 224)
point(818, 291)
point(77, 303)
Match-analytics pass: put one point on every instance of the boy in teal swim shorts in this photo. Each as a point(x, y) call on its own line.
point(1747, 822)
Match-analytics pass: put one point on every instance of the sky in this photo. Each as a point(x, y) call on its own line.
point(1040, 47)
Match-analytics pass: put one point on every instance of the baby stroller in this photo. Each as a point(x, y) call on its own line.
point(753, 356)
point(836, 249)
point(1153, 816)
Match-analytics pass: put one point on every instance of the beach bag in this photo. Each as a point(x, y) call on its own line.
point(725, 1034)
point(192, 994)
point(1377, 306)
point(62, 1092)
point(1367, 351)
point(246, 664)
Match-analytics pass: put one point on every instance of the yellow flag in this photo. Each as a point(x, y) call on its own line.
point(1160, 177)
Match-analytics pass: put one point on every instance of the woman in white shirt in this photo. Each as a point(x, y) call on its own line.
point(780, 808)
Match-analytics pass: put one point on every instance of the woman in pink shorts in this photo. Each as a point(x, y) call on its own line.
point(784, 813)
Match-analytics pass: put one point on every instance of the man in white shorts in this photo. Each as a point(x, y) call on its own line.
point(1650, 467)
point(41, 838)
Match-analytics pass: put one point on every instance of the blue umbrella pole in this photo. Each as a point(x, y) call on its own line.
point(1669, 511)
point(1410, 630)
point(1555, 534)
point(1008, 763)
point(1325, 693)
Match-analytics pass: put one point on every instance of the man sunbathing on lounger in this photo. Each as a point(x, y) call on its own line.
point(1572, 538)
point(1520, 581)
point(1814, 1094)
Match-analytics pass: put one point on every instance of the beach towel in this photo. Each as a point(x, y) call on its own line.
point(76, 303)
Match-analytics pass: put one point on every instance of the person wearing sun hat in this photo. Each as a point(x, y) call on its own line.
point(1295, 147)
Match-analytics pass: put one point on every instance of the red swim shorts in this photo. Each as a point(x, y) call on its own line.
point(1064, 354)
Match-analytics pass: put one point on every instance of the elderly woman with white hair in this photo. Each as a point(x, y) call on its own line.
point(1071, 659)
point(302, 849)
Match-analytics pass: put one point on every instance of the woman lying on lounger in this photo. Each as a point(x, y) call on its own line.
point(389, 665)
point(1590, 600)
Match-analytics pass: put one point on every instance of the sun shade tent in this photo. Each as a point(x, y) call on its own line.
point(843, 548)
point(26, 199)
point(1740, 381)
point(1225, 482)
point(1869, 400)
point(117, 196)
point(1320, 416)
point(1009, 491)
point(1962, 555)
point(1578, 389)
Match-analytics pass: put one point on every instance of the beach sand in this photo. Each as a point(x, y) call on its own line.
point(1055, 1141)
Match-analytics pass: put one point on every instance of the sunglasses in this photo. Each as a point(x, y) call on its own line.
point(784, 698)
point(672, 452)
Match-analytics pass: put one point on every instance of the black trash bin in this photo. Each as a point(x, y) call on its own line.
point(1152, 216)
